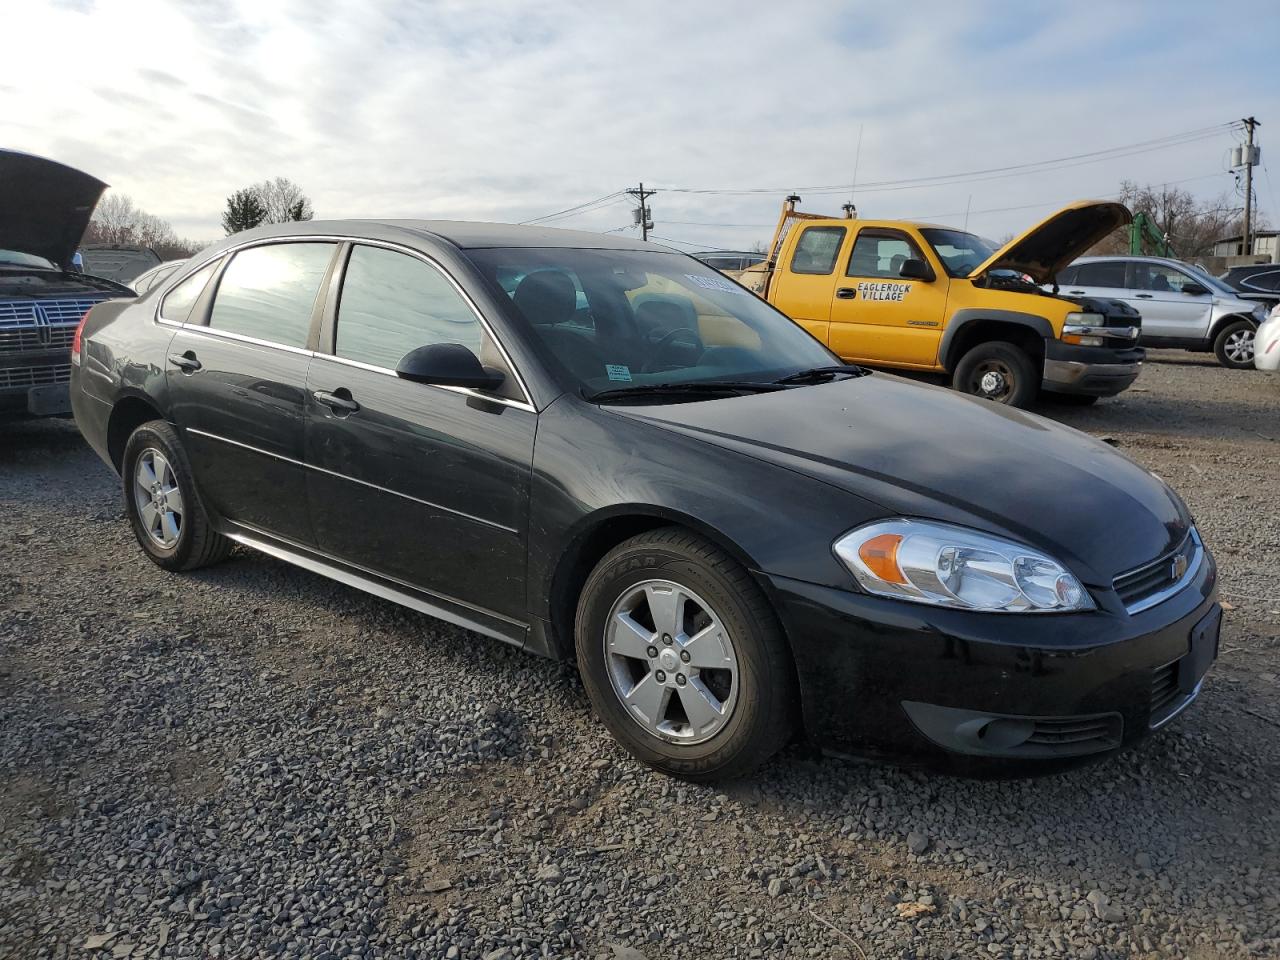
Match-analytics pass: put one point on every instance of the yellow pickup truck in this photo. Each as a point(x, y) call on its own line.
point(922, 297)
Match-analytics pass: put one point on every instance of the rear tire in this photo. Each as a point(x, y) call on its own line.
point(1233, 346)
point(730, 660)
point(998, 371)
point(163, 505)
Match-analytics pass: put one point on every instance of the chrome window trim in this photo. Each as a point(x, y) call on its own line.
point(465, 391)
point(1197, 561)
point(202, 331)
point(525, 404)
point(364, 483)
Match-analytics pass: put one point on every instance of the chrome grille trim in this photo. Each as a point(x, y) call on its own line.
point(1152, 583)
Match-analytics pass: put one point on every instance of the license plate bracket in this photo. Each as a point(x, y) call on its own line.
point(49, 400)
point(1204, 650)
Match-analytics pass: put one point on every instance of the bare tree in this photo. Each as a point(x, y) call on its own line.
point(1192, 225)
point(118, 220)
point(284, 200)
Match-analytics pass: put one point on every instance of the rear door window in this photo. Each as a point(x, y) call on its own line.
point(1109, 273)
point(817, 249)
point(269, 292)
point(178, 302)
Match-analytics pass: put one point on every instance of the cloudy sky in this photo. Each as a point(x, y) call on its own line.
point(510, 111)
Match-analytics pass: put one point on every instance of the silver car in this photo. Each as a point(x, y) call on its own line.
point(1181, 306)
point(1267, 343)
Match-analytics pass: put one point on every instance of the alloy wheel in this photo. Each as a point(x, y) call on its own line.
point(671, 662)
point(158, 498)
point(1239, 346)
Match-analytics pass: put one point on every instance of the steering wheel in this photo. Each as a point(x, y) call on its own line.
point(662, 343)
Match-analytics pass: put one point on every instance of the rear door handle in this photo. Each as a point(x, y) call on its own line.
point(336, 401)
point(846, 293)
point(187, 362)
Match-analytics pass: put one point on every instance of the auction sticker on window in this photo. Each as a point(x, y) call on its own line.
point(883, 290)
point(618, 371)
point(717, 283)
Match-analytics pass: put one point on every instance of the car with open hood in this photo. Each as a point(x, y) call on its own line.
point(918, 296)
point(44, 209)
point(736, 536)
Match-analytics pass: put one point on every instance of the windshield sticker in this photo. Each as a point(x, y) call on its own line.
point(883, 291)
point(723, 284)
point(618, 371)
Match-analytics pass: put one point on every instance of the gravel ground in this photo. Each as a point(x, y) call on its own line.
point(253, 761)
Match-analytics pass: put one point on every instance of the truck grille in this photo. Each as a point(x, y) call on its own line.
point(1149, 584)
point(34, 376)
point(30, 325)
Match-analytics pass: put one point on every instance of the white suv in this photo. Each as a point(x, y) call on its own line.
point(1181, 306)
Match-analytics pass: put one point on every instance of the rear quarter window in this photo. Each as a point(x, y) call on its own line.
point(817, 250)
point(177, 303)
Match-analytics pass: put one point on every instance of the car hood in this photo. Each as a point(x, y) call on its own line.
point(122, 264)
point(921, 451)
point(45, 206)
point(1054, 242)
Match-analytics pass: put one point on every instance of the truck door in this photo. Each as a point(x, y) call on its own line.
point(804, 285)
point(879, 316)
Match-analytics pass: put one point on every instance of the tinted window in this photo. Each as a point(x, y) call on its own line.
point(1107, 273)
point(817, 250)
point(269, 292)
point(880, 255)
point(393, 303)
point(178, 302)
point(1269, 281)
point(1067, 276)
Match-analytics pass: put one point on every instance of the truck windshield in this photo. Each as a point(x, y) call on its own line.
point(612, 319)
point(961, 253)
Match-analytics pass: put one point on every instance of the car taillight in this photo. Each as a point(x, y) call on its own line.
point(75, 341)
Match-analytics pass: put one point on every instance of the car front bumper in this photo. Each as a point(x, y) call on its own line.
point(988, 693)
point(1091, 371)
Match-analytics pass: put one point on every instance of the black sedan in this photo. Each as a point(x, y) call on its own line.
point(593, 447)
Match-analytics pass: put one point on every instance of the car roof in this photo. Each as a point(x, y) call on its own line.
point(1171, 261)
point(464, 234)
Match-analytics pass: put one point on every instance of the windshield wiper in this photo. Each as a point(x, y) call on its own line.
point(693, 387)
point(820, 374)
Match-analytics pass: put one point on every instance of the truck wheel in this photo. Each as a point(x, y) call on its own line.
point(998, 371)
point(683, 659)
point(162, 503)
point(1234, 345)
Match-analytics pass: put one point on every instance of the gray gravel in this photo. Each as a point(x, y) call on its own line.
point(253, 761)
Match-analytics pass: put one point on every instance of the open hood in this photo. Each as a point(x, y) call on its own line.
point(1057, 240)
point(44, 206)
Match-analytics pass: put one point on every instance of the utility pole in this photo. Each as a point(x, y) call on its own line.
point(1249, 159)
point(642, 212)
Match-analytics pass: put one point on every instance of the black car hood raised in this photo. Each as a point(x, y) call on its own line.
point(927, 452)
point(45, 206)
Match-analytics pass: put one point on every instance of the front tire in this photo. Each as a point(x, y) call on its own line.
point(163, 505)
point(1233, 346)
point(998, 371)
point(683, 658)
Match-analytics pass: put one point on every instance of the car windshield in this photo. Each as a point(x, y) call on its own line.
point(17, 259)
point(961, 253)
point(1204, 277)
point(617, 319)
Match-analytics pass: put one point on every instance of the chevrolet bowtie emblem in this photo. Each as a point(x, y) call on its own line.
point(1179, 567)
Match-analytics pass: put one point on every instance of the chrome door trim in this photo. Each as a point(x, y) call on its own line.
point(346, 575)
point(363, 483)
point(465, 391)
point(525, 404)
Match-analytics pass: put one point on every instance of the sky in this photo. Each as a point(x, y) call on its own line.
point(512, 111)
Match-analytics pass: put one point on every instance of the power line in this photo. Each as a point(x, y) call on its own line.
point(603, 201)
point(1145, 146)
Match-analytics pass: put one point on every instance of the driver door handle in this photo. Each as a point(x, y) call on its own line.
point(187, 362)
point(1076, 293)
point(336, 402)
point(1144, 296)
point(846, 293)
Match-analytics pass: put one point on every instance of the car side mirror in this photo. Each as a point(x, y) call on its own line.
point(447, 365)
point(915, 270)
point(1194, 289)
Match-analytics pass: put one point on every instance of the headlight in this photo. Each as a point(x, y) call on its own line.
point(948, 566)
